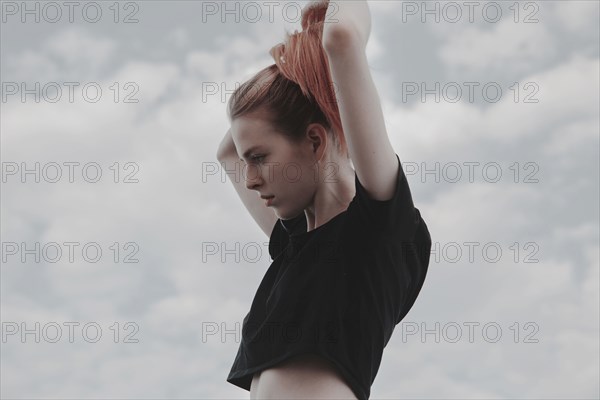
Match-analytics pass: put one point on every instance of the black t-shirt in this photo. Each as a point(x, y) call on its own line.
point(339, 290)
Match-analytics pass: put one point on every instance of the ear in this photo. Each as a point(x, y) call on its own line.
point(317, 135)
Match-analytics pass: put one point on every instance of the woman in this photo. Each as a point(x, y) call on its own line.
point(350, 251)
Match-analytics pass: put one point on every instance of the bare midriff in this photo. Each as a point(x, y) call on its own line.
point(306, 376)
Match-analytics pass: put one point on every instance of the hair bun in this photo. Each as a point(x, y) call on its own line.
point(314, 13)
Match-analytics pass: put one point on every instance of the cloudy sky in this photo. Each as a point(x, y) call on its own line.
point(129, 262)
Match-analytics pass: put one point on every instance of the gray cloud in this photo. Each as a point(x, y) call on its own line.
point(173, 295)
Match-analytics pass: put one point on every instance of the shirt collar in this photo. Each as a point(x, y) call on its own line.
point(295, 225)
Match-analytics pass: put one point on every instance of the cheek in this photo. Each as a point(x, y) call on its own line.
point(293, 180)
point(300, 186)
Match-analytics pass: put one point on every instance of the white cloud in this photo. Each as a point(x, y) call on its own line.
point(78, 48)
point(204, 63)
point(570, 138)
point(30, 64)
point(154, 79)
point(507, 48)
point(70, 54)
point(577, 17)
point(179, 37)
point(567, 91)
point(418, 132)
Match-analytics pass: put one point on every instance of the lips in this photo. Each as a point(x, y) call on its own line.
point(267, 198)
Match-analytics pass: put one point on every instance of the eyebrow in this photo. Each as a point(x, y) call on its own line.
point(250, 150)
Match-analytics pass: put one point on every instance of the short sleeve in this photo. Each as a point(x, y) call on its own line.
point(395, 217)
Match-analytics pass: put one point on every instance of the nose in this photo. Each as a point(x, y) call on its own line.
point(253, 177)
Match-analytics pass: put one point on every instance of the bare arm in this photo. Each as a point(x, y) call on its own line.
point(227, 147)
point(264, 216)
point(372, 154)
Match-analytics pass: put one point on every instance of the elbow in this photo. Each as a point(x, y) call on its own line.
point(225, 152)
point(219, 155)
point(340, 37)
point(222, 155)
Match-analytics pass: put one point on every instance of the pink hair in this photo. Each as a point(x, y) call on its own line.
point(297, 90)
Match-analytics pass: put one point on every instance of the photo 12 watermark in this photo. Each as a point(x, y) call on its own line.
point(70, 252)
point(490, 252)
point(52, 12)
point(227, 12)
point(72, 92)
point(69, 331)
point(470, 332)
point(469, 92)
point(69, 172)
point(453, 12)
point(468, 171)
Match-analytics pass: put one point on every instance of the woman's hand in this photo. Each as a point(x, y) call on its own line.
point(346, 20)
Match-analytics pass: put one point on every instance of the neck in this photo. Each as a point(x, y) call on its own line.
point(332, 198)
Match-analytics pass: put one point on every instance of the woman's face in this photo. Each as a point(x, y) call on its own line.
point(274, 166)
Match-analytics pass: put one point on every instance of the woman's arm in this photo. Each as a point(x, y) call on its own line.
point(369, 147)
point(228, 158)
point(226, 147)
